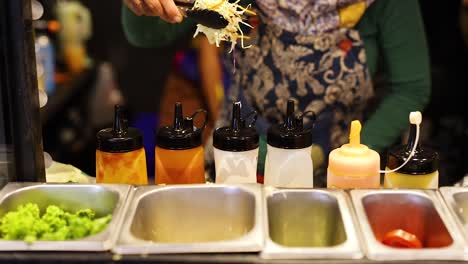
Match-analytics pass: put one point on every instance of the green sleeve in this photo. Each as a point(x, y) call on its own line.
point(153, 32)
point(402, 44)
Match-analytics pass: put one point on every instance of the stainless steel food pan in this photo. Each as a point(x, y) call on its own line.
point(309, 223)
point(193, 219)
point(456, 199)
point(103, 199)
point(419, 212)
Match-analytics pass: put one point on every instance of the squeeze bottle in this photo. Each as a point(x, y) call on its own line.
point(120, 156)
point(289, 153)
point(353, 165)
point(179, 151)
point(236, 149)
point(420, 171)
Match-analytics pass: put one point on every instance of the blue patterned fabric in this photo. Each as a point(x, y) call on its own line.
point(325, 73)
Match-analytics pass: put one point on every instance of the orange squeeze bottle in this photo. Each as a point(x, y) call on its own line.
point(179, 151)
point(120, 156)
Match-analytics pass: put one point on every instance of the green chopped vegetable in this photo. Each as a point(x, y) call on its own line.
point(27, 224)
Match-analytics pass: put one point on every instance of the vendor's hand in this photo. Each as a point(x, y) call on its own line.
point(165, 9)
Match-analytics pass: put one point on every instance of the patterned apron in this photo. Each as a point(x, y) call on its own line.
point(306, 50)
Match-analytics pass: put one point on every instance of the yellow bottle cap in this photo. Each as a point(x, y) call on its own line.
point(354, 159)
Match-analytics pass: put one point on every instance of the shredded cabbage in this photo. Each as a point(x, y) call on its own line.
point(26, 223)
point(232, 12)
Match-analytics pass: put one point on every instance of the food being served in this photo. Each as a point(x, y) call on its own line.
point(233, 13)
point(26, 223)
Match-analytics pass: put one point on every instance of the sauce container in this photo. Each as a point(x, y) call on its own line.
point(179, 151)
point(236, 149)
point(120, 156)
point(289, 152)
point(353, 165)
point(420, 172)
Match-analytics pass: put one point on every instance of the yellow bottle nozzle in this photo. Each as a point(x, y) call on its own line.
point(355, 134)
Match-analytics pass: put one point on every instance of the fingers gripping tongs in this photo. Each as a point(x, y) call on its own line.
point(208, 18)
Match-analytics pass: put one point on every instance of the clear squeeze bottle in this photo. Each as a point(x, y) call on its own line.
point(289, 153)
point(412, 166)
point(353, 165)
point(120, 156)
point(179, 151)
point(236, 149)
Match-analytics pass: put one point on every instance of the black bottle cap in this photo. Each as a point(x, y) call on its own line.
point(291, 134)
point(183, 134)
point(238, 136)
point(120, 138)
point(424, 161)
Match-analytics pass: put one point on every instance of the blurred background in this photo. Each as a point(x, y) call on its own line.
point(86, 65)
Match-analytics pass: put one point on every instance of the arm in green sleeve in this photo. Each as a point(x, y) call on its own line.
point(153, 32)
point(403, 45)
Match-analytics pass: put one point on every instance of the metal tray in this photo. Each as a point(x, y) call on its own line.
point(456, 199)
point(309, 224)
point(103, 199)
point(420, 212)
point(193, 219)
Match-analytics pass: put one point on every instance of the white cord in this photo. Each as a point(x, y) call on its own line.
point(415, 119)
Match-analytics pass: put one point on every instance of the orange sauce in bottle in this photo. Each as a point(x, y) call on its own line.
point(180, 166)
point(125, 168)
point(120, 156)
point(179, 153)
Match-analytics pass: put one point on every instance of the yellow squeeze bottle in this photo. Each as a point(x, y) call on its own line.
point(353, 165)
point(412, 166)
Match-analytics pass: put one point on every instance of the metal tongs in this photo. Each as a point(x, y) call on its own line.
point(208, 18)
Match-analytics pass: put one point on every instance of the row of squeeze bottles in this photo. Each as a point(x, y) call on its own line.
point(120, 156)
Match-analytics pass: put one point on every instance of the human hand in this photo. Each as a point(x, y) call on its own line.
point(165, 9)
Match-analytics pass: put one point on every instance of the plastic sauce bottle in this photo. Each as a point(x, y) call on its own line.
point(289, 153)
point(120, 156)
point(353, 165)
point(236, 149)
point(420, 171)
point(179, 151)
